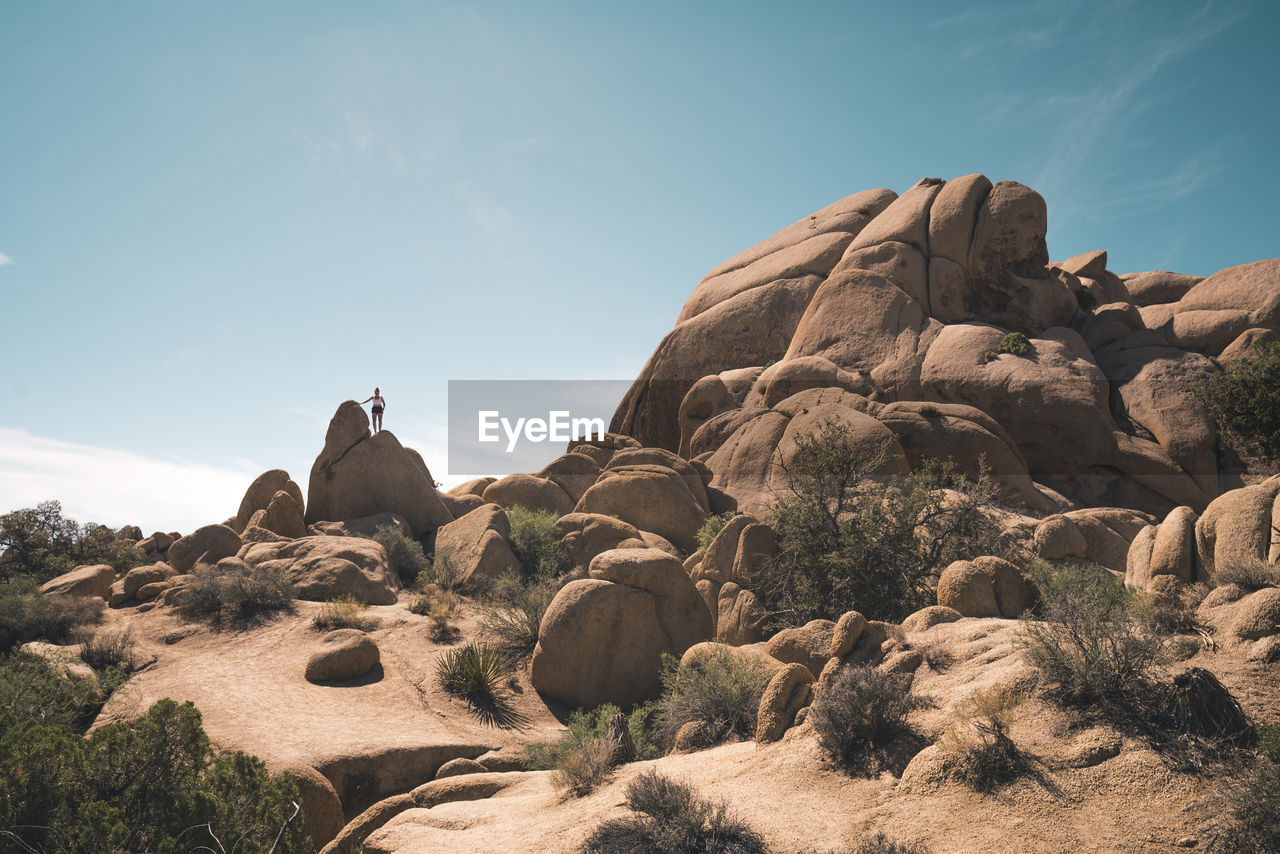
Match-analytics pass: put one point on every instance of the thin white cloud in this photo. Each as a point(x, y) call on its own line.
point(115, 487)
point(5, 260)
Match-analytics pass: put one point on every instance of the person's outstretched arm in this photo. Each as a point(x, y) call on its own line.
point(366, 400)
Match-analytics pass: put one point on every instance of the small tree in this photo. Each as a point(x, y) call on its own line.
point(853, 539)
point(40, 543)
point(1245, 401)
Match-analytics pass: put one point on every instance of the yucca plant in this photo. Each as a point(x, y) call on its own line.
point(475, 673)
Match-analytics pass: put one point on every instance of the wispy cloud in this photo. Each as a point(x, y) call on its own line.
point(1158, 193)
point(115, 487)
point(495, 221)
point(5, 260)
point(1096, 112)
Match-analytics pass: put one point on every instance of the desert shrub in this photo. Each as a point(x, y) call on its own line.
point(441, 606)
point(861, 716)
point(937, 655)
point(236, 598)
point(853, 540)
point(979, 751)
point(1092, 641)
point(512, 616)
point(153, 784)
point(1249, 573)
point(711, 526)
point(108, 649)
point(1245, 401)
point(40, 543)
point(28, 615)
point(1015, 343)
point(1170, 615)
point(720, 693)
point(584, 725)
point(670, 816)
point(930, 411)
point(535, 539)
point(580, 771)
point(342, 612)
point(404, 554)
point(879, 843)
point(1253, 804)
point(475, 673)
point(445, 571)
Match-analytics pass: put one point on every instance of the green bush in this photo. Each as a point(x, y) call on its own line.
point(153, 784)
point(853, 540)
point(535, 539)
point(475, 673)
point(512, 617)
point(1245, 401)
point(860, 717)
point(236, 598)
point(404, 554)
point(720, 694)
point(40, 543)
point(1253, 804)
point(710, 527)
point(670, 816)
point(108, 649)
point(1092, 640)
point(27, 615)
point(584, 725)
point(1015, 343)
point(33, 691)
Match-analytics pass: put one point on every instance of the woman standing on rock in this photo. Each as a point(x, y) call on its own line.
point(379, 404)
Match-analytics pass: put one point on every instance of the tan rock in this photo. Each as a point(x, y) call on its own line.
point(460, 766)
point(586, 535)
point(984, 587)
point(1237, 525)
point(321, 808)
point(930, 616)
point(788, 691)
point(203, 546)
point(809, 645)
point(741, 616)
point(652, 498)
point(1057, 537)
point(359, 475)
point(848, 629)
point(94, 580)
point(262, 491)
point(283, 516)
point(344, 654)
point(717, 563)
point(474, 487)
point(574, 473)
point(478, 545)
point(1257, 615)
point(528, 491)
point(1158, 286)
point(322, 568)
point(1173, 550)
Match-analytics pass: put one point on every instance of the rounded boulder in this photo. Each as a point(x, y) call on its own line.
point(344, 654)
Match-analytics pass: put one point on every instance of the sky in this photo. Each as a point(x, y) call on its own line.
point(219, 221)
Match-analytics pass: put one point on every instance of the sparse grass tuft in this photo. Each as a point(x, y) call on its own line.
point(1251, 574)
point(104, 650)
point(670, 816)
point(580, 771)
point(1253, 804)
point(441, 606)
point(28, 615)
point(980, 753)
point(512, 617)
point(444, 572)
point(342, 612)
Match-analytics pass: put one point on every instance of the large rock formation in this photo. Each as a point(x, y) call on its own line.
point(358, 474)
point(890, 311)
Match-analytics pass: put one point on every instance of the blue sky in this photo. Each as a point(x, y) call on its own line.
point(218, 221)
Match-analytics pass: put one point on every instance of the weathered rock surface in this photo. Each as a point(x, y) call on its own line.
point(203, 546)
point(358, 475)
point(477, 544)
point(602, 637)
point(344, 654)
point(322, 568)
point(95, 580)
